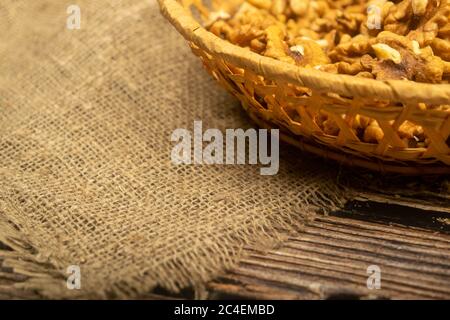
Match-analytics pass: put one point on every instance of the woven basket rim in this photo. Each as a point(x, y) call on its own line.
point(352, 160)
point(394, 90)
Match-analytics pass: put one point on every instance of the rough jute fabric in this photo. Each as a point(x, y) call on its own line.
point(85, 171)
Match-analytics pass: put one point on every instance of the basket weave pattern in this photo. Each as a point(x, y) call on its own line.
point(278, 95)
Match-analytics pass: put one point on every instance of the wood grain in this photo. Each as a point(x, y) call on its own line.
point(329, 259)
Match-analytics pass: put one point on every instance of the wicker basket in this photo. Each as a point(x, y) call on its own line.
point(267, 89)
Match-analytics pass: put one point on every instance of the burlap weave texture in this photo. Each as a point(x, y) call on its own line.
point(85, 171)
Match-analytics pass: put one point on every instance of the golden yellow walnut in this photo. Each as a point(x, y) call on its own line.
point(276, 46)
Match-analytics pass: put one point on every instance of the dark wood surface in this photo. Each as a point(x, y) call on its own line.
point(407, 236)
point(408, 240)
point(330, 259)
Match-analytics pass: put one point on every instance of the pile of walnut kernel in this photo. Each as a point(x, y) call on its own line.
point(378, 39)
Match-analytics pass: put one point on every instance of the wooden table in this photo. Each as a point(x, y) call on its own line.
point(406, 235)
point(403, 230)
point(330, 259)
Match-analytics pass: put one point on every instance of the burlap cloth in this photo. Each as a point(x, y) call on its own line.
point(85, 171)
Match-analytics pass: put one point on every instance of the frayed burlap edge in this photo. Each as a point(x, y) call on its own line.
point(45, 275)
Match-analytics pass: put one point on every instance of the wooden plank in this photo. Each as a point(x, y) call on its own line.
point(417, 203)
point(330, 259)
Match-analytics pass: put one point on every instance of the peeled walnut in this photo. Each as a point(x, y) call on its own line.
point(276, 47)
point(399, 17)
point(351, 50)
point(410, 131)
point(330, 127)
point(377, 10)
point(216, 16)
point(401, 59)
point(308, 53)
point(245, 35)
point(330, 68)
point(385, 52)
point(431, 68)
point(299, 7)
point(221, 29)
point(254, 17)
point(298, 51)
point(409, 15)
point(419, 7)
point(262, 4)
point(279, 7)
point(347, 68)
point(441, 48)
point(365, 74)
point(350, 23)
point(258, 45)
point(373, 133)
point(431, 23)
